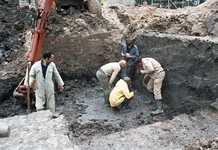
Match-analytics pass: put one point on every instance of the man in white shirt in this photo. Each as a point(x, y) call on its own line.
point(43, 72)
point(106, 76)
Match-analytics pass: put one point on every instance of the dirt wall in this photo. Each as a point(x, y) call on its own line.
point(78, 56)
point(83, 42)
point(191, 68)
point(190, 63)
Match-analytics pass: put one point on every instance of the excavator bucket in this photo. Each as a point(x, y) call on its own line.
point(20, 93)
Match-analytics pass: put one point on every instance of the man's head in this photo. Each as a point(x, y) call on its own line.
point(127, 80)
point(122, 64)
point(138, 61)
point(48, 56)
point(129, 43)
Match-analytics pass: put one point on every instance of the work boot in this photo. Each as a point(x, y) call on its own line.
point(159, 107)
point(124, 109)
point(107, 103)
point(56, 114)
point(106, 100)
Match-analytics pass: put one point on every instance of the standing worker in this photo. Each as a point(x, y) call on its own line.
point(130, 53)
point(120, 96)
point(154, 70)
point(43, 71)
point(106, 76)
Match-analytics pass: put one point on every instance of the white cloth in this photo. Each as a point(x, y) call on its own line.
point(151, 67)
point(111, 70)
point(44, 87)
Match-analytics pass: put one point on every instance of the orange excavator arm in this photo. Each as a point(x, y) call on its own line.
point(39, 32)
point(21, 93)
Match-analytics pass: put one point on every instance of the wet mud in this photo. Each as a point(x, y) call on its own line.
point(82, 103)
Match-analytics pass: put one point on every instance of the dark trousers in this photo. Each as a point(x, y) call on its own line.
point(126, 100)
point(128, 71)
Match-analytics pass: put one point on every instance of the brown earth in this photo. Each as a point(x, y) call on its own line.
point(131, 21)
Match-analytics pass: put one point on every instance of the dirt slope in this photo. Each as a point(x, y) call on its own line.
point(197, 21)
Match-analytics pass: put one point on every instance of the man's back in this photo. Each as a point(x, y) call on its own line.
point(119, 92)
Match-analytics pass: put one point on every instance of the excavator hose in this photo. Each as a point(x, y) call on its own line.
point(47, 16)
point(23, 16)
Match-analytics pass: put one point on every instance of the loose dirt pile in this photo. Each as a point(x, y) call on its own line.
point(15, 36)
point(15, 22)
point(194, 21)
point(78, 23)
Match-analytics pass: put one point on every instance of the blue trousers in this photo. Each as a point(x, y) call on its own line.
point(126, 100)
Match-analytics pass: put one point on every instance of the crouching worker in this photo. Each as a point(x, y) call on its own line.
point(120, 96)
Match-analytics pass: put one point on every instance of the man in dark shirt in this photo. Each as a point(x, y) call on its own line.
point(130, 53)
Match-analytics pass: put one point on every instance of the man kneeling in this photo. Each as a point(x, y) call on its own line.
point(120, 96)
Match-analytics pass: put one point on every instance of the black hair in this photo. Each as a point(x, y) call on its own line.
point(47, 54)
point(137, 60)
point(129, 42)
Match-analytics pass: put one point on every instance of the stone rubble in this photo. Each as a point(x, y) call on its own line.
point(36, 131)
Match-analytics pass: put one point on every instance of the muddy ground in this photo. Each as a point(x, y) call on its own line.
point(83, 105)
point(90, 122)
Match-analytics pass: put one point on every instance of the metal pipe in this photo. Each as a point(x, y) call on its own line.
point(173, 4)
point(4, 130)
point(26, 76)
